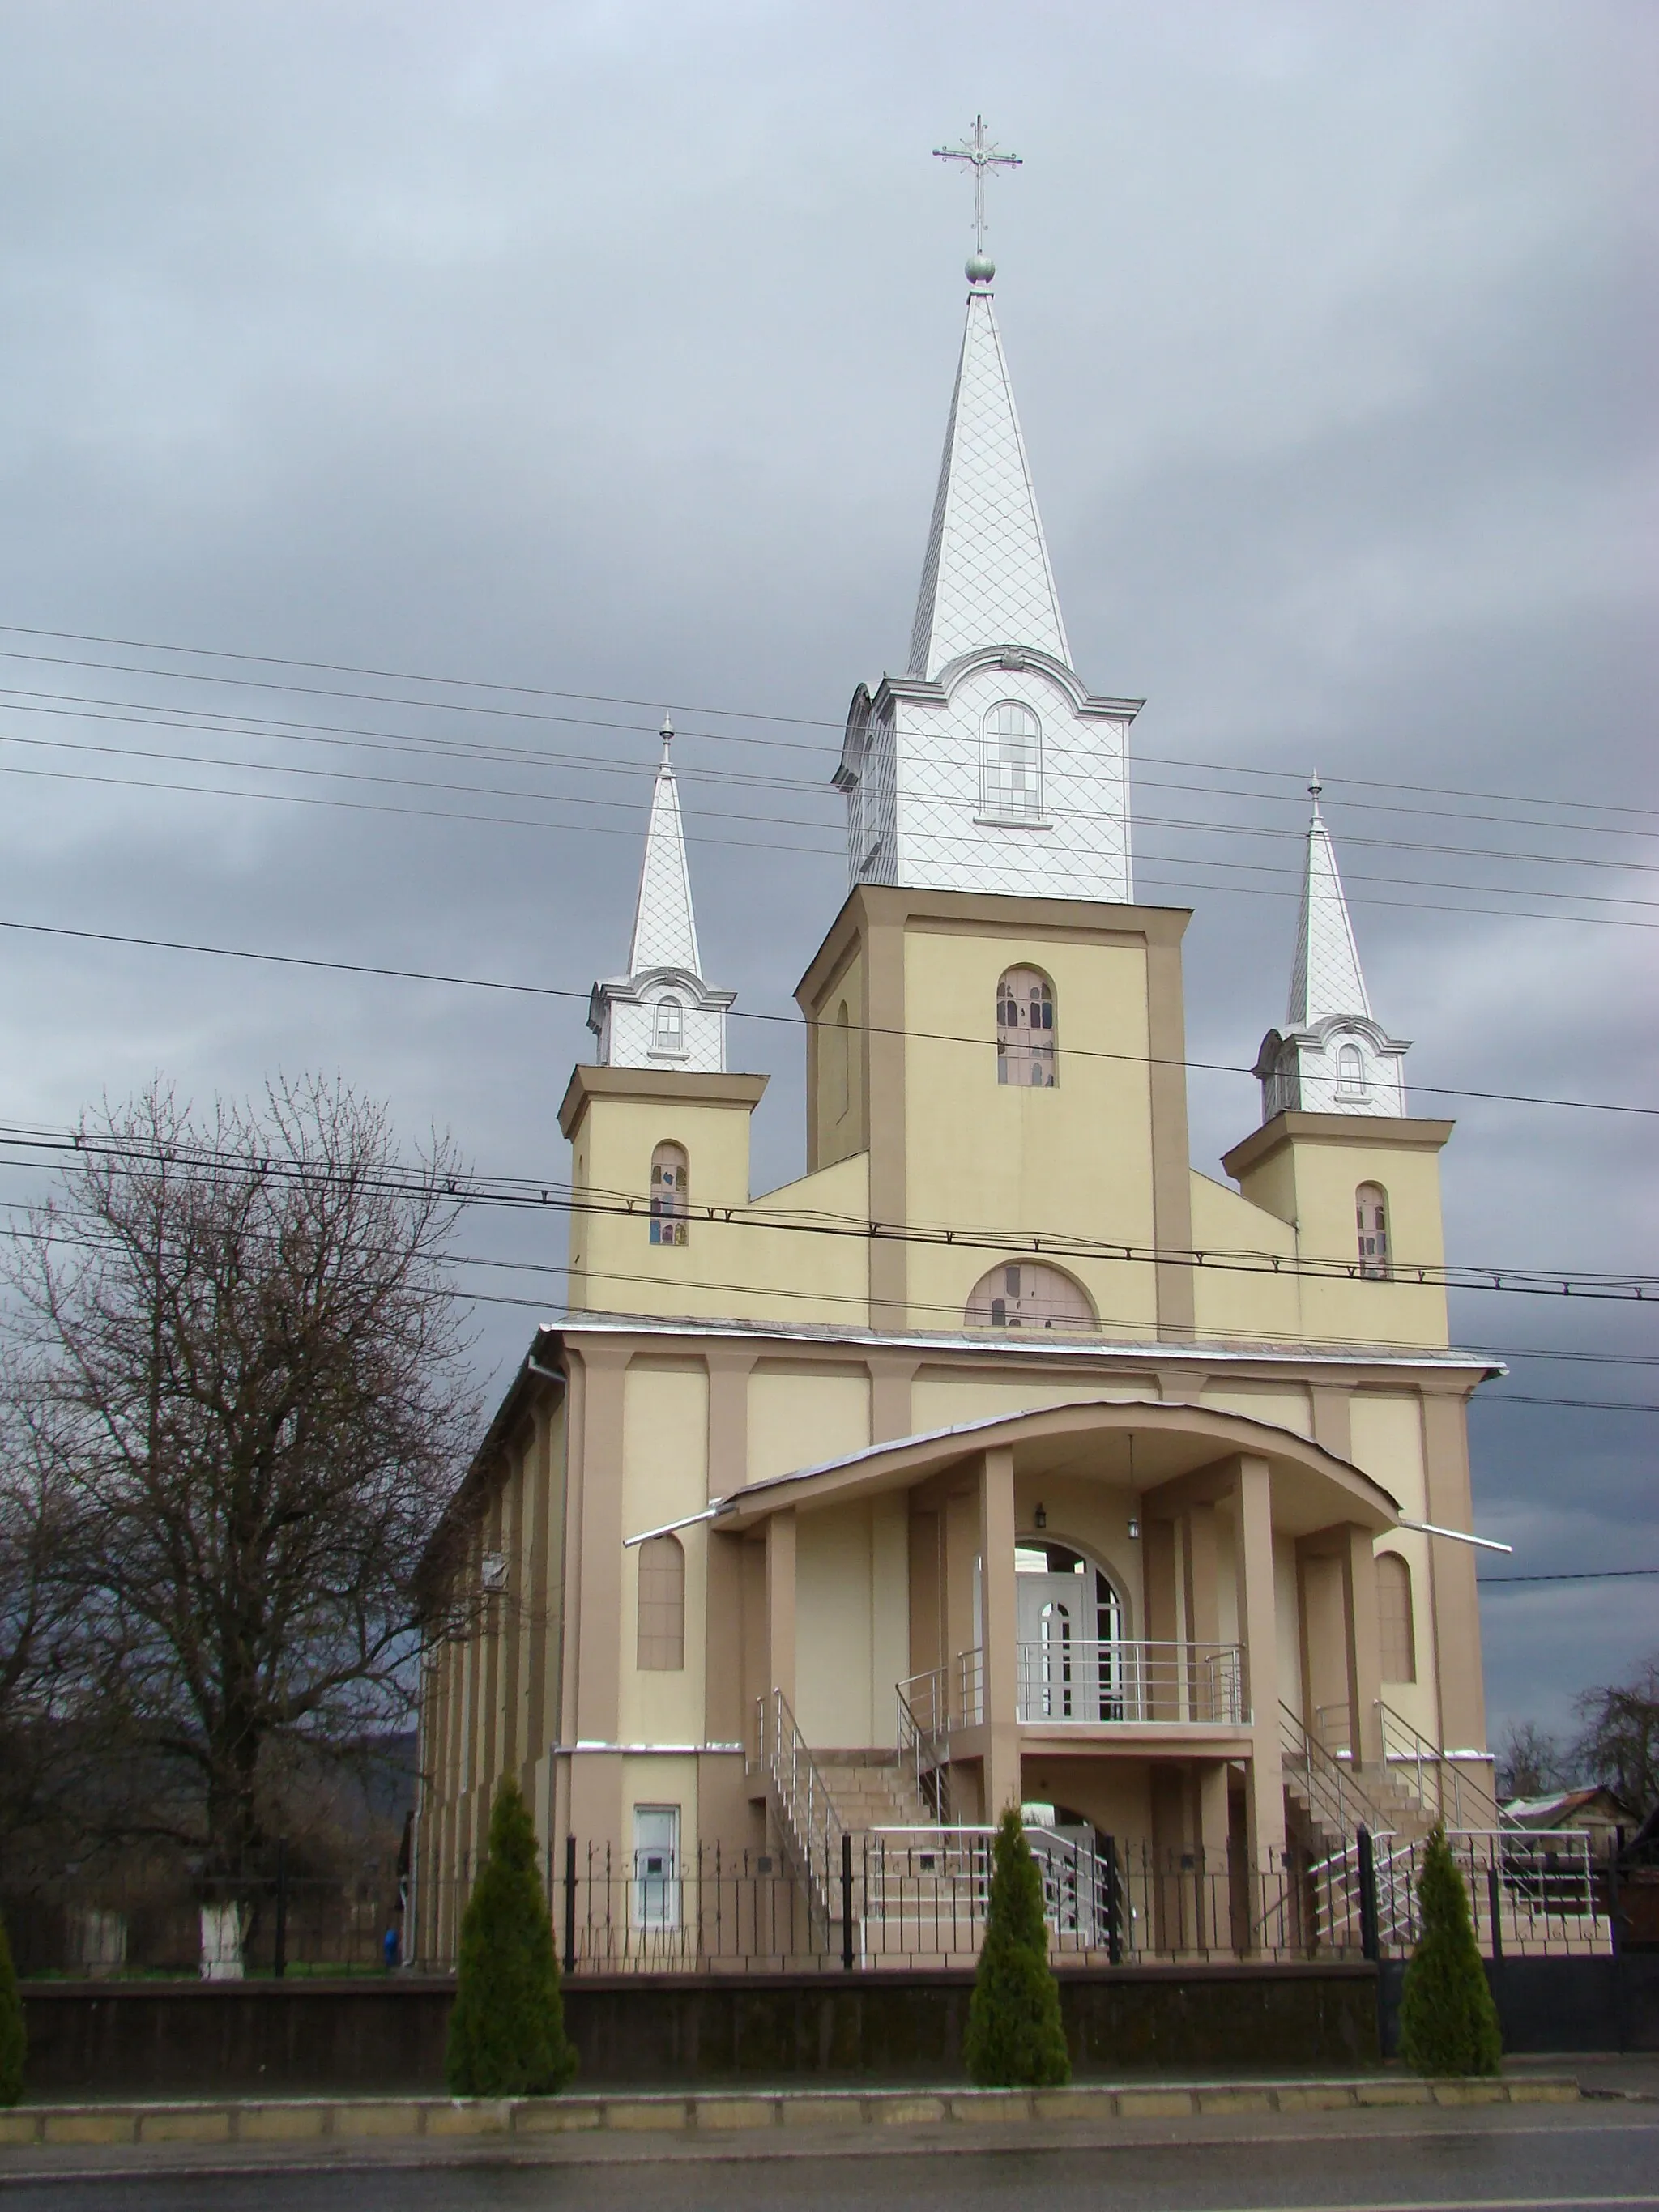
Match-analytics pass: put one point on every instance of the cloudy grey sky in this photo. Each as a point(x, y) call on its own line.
point(607, 349)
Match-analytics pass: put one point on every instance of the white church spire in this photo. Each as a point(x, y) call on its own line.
point(665, 929)
point(661, 1013)
point(989, 734)
point(986, 578)
point(1325, 978)
point(1332, 1057)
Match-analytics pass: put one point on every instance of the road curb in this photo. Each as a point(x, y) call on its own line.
point(274, 2120)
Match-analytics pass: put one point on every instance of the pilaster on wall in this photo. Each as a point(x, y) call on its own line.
point(1172, 1199)
point(781, 1602)
point(597, 1686)
point(891, 1376)
point(1454, 1599)
point(725, 1718)
point(1259, 1631)
point(1000, 1646)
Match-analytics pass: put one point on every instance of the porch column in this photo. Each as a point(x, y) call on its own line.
point(1362, 1643)
point(1163, 1623)
point(999, 1631)
point(1258, 1625)
point(780, 1603)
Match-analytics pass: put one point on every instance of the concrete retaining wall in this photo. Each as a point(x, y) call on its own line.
point(173, 2038)
point(1557, 2004)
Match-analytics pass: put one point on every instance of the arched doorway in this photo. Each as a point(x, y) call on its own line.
point(1070, 1623)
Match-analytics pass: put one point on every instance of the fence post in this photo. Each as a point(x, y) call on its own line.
point(847, 1899)
point(569, 1905)
point(1369, 1933)
point(1494, 1908)
point(1114, 1905)
point(279, 1941)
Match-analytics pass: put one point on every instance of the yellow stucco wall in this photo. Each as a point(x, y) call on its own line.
point(851, 1620)
point(979, 1154)
point(1311, 1181)
point(1386, 1429)
point(750, 1269)
point(940, 1401)
point(664, 1476)
point(800, 1415)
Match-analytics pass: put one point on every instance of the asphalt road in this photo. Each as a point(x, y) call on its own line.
point(1587, 2157)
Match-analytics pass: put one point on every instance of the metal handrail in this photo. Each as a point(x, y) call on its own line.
point(1335, 1801)
point(1083, 1680)
point(803, 1798)
point(1402, 1747)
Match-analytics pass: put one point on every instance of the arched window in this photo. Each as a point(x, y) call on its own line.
point(1025, 1296)
point(1026, 1034)
point(668, 1030)
point(1011, 758)
point(1371, 1213)
point(1350, 1072)
point(840, 1060)
point(1396, 1631)
point(670, 1179)
point(661, 1642)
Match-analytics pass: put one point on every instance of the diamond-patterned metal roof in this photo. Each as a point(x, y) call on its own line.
point(1325, 976)
point(986, 579)
point(665, 932)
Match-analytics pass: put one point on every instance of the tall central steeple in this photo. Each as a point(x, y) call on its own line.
point(987, 575)
point(988, 765)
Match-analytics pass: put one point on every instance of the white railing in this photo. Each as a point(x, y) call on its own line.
point(1326, 1783)
point(943, 1873)
point(801, 1797)
point(1076, 1679)
point(1445, 1787)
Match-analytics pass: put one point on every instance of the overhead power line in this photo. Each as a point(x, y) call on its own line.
point(531, 1195)
point(790, 821)
point(612, 699)
point(569, 993)
point(1586, 1575)
point(828, 852)
point(156, 714)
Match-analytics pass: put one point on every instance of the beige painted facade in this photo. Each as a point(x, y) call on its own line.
point(1232, 1438)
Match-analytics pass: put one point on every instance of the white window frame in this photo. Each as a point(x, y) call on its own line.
point(663, 1045)
point(656, 1889)
point(1351, 1070)
point(1002, 801)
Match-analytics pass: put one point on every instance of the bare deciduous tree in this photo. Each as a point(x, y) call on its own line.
point(240, 1336)
point(1531, 1763)
point(1620, 1746)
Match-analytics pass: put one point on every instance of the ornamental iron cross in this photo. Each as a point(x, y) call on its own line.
point(979, 154)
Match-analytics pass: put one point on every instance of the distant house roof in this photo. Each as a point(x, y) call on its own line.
point(1569, 1808)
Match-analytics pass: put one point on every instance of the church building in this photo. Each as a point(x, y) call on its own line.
point(1005, 1457)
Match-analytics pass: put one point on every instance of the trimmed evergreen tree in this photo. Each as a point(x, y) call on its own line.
point(1015, 2039)
point(1447, 2021)
point(13, 2040)
point(506, 2034)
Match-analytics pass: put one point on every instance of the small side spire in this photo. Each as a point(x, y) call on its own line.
point(1325, 975)
point(662, 1013)
point(1332, 1057)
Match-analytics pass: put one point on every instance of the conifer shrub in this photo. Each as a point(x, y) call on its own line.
point(13, 2040)
point(506, 2034)
point(1015, 2039)
point(1447, 2021)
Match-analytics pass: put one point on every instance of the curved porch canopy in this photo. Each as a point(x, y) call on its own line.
point(1311, 1488)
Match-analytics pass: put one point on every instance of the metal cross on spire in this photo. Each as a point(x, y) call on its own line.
point(979, 154)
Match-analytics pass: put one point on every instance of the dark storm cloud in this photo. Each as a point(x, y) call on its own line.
point(609, 349)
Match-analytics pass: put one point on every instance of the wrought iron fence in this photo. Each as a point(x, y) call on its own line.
point(874, 1898)
point(139, 1921)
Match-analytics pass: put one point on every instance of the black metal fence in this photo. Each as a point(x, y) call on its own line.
point(879, 1899)
point(136, 1922)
